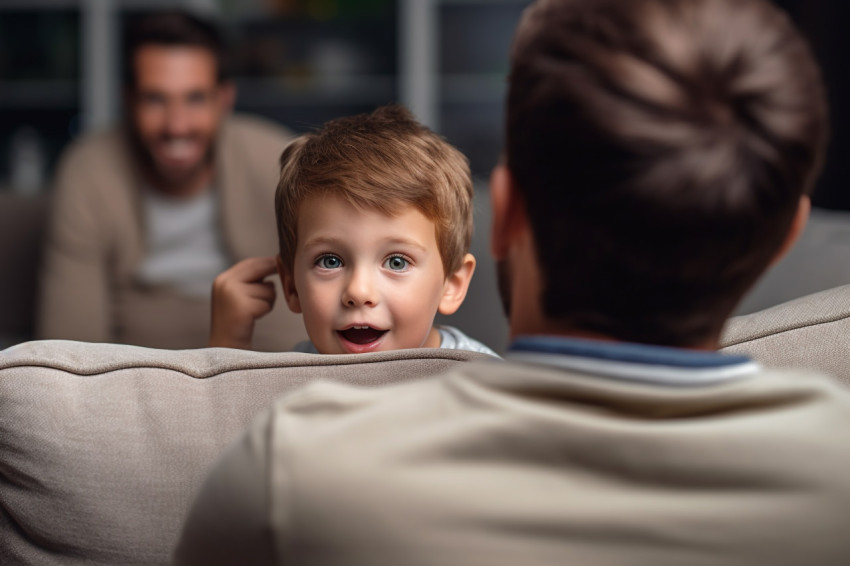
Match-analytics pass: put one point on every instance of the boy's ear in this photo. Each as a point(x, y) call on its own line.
point(287, 282)
point(456, 285)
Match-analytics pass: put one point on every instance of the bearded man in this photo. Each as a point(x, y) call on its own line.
point(147, 213)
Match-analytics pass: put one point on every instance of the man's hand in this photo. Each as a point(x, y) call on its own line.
point(240, 296)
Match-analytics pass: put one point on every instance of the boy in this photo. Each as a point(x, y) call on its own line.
point(374, 222)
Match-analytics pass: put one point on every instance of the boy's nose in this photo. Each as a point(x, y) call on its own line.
point(360, 290)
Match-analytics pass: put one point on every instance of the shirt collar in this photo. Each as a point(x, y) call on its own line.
point(660, 365)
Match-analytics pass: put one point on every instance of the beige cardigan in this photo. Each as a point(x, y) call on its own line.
point(96, 243)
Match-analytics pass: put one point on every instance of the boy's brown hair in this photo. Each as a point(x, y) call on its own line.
point(380, 161)
point(661, 148)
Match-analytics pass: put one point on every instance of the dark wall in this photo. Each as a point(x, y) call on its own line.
point(824, 23)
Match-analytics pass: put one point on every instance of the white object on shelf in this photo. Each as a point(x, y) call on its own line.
point(27, 162)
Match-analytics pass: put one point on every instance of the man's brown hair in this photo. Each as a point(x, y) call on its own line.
point(172, 28)
point(382, 161)
point(661, 148)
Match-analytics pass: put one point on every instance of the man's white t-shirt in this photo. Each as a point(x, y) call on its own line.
point(184, 247)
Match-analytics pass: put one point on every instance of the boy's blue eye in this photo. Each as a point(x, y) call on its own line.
point(329, 262)
point(396, 263)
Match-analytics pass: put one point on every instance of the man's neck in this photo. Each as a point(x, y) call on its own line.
point(185, 188)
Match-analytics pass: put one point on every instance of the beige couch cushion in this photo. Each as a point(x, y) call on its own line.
point(103, 446)
point(811, 332)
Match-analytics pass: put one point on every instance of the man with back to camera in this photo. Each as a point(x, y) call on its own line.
point(146, 214)
point(659, 156)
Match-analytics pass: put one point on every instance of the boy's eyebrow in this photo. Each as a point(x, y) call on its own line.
point(322, 240)
point(406, 242)
point(330, 240)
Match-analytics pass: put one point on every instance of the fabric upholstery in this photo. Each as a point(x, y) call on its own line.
point(809, 332)
point(102, 447)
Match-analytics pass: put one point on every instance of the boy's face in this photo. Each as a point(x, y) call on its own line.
point(365, 281)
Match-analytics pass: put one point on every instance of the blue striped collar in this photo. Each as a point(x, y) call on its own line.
point(659, 365)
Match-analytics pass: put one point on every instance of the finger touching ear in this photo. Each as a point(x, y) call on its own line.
point(456, 286)
point(287, 282)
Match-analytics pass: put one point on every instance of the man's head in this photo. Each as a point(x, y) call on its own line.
point(374, 219)
point(177, 94)
point(660, 151)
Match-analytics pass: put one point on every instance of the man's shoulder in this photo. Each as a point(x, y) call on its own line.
point(101, 145)
point(806, 401)
point(96, 163)
point(341, 398)
point(249, 148)
point(774, 416)
point(328, 401)
point(769, 393)
point(796, 388)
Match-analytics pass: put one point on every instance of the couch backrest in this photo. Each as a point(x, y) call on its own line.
point(102, 447)
point(811, 332)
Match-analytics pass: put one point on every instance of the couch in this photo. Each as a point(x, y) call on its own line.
point(102, 447)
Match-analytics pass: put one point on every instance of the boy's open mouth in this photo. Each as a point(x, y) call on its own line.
point(361, 334)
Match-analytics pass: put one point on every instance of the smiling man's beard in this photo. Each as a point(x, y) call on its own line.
point(503, 281)
point(177, 178)
point(164, 179)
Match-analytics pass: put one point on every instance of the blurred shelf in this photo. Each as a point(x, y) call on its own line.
point(38, 4)
point(10, 192)
point(486, 3)
point(311, 91)
point(39, 94)
point(291, 64)
point(472, 87)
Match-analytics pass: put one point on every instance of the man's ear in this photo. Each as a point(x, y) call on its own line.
point(287, 282)
point(226, 96)
point(798, 223)
point(508, 212)
point(456, 286)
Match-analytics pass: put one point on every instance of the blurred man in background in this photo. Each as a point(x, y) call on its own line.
point(147, 213)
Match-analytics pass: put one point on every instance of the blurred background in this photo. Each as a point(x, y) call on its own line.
point(302, 62)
